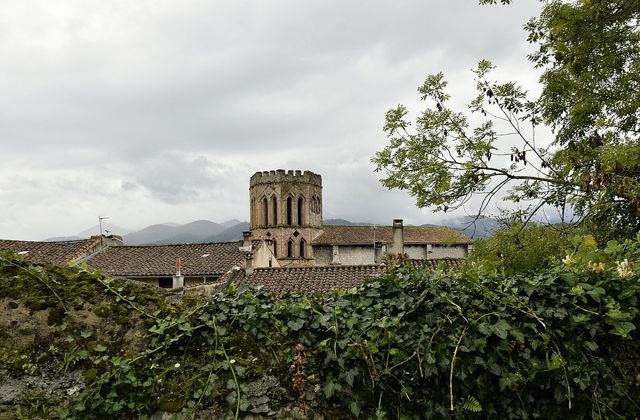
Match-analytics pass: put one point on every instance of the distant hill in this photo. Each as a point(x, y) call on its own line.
point(481, 228)
point(233, 233)
point(232, 223)
point(170, 233)
point(231, 230)
point(197, 231)
point(107, 227)
point(209, 233)
point(63, 238)
point(343, 222)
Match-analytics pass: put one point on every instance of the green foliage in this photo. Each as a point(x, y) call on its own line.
point(562, 342)
point(522, 249)
point(37, 405)
point(590, 52)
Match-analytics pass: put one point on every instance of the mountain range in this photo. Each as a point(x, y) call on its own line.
point(231, 230)
point(198, 231)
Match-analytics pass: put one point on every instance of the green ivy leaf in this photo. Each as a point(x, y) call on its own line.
point(354, 408)
point(330, 388)
point(296, 325)
point(350, 376)
point(501, 328)
point(623, 329)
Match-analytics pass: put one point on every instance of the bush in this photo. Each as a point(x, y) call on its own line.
point(559, 343)
point(521, 249)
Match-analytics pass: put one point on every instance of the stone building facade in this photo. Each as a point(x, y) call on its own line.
point(286, 213)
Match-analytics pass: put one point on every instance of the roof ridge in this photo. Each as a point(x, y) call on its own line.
point(179, 244)
point(322, 267)
point(47, 242)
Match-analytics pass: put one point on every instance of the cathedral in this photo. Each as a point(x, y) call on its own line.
point(288, 249)
point(286, 217)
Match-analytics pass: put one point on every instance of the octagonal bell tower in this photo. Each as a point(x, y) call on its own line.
point(286, 211)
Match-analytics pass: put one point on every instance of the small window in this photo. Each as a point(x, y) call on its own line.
point(289, 211)
point(300, 210)
point(274, 203)
point(303, 245)
point(275, 249)
point(165, 282)
point(265, 208)
point(290, 249)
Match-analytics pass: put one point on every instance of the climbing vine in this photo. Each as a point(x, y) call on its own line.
point(412, 344)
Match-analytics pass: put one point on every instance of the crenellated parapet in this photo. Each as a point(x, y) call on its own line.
point(282, 176)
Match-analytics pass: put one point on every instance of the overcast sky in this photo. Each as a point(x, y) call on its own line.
point(160, 111)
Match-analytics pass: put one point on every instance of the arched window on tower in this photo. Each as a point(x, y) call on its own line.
point(300, 210)
point(303, 246)
point(265, 210)
point(290, 248)
point(289, 211)
point(275, 248)
point(274, 204)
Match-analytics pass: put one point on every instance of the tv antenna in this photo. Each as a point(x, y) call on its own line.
point(100, 219)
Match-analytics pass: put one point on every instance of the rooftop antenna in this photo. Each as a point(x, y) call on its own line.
point(374, 243)
point(100, 219)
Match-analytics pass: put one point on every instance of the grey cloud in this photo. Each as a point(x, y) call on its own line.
point(134, 103)
point(175, 178)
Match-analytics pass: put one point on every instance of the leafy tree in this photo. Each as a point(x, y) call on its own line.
point(589, 51)
point(520, 249)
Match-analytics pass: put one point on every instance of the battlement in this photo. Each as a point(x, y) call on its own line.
point(280, 176)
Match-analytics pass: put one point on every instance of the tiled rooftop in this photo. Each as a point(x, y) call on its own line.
point(59, 253)
point(433, 264)
point(310, 279)
point(160, 260)
point(323, 279)
point(360, 235)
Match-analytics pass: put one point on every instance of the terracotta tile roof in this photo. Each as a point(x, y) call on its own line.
point(160, 260)
point(361, 235)
point(310, 279)
point(59, 253)
point(433, 264)
point(322, 279)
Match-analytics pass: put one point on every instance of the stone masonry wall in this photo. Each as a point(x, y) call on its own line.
point(416, 252)
point(322, 255)
point(355, 255)
point(456, 251)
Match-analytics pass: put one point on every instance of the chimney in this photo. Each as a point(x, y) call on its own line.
point(110, 240)
point(246, 241)
point(178, 278)
point(248, 268)
point(377, 252)
point(398, 238)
